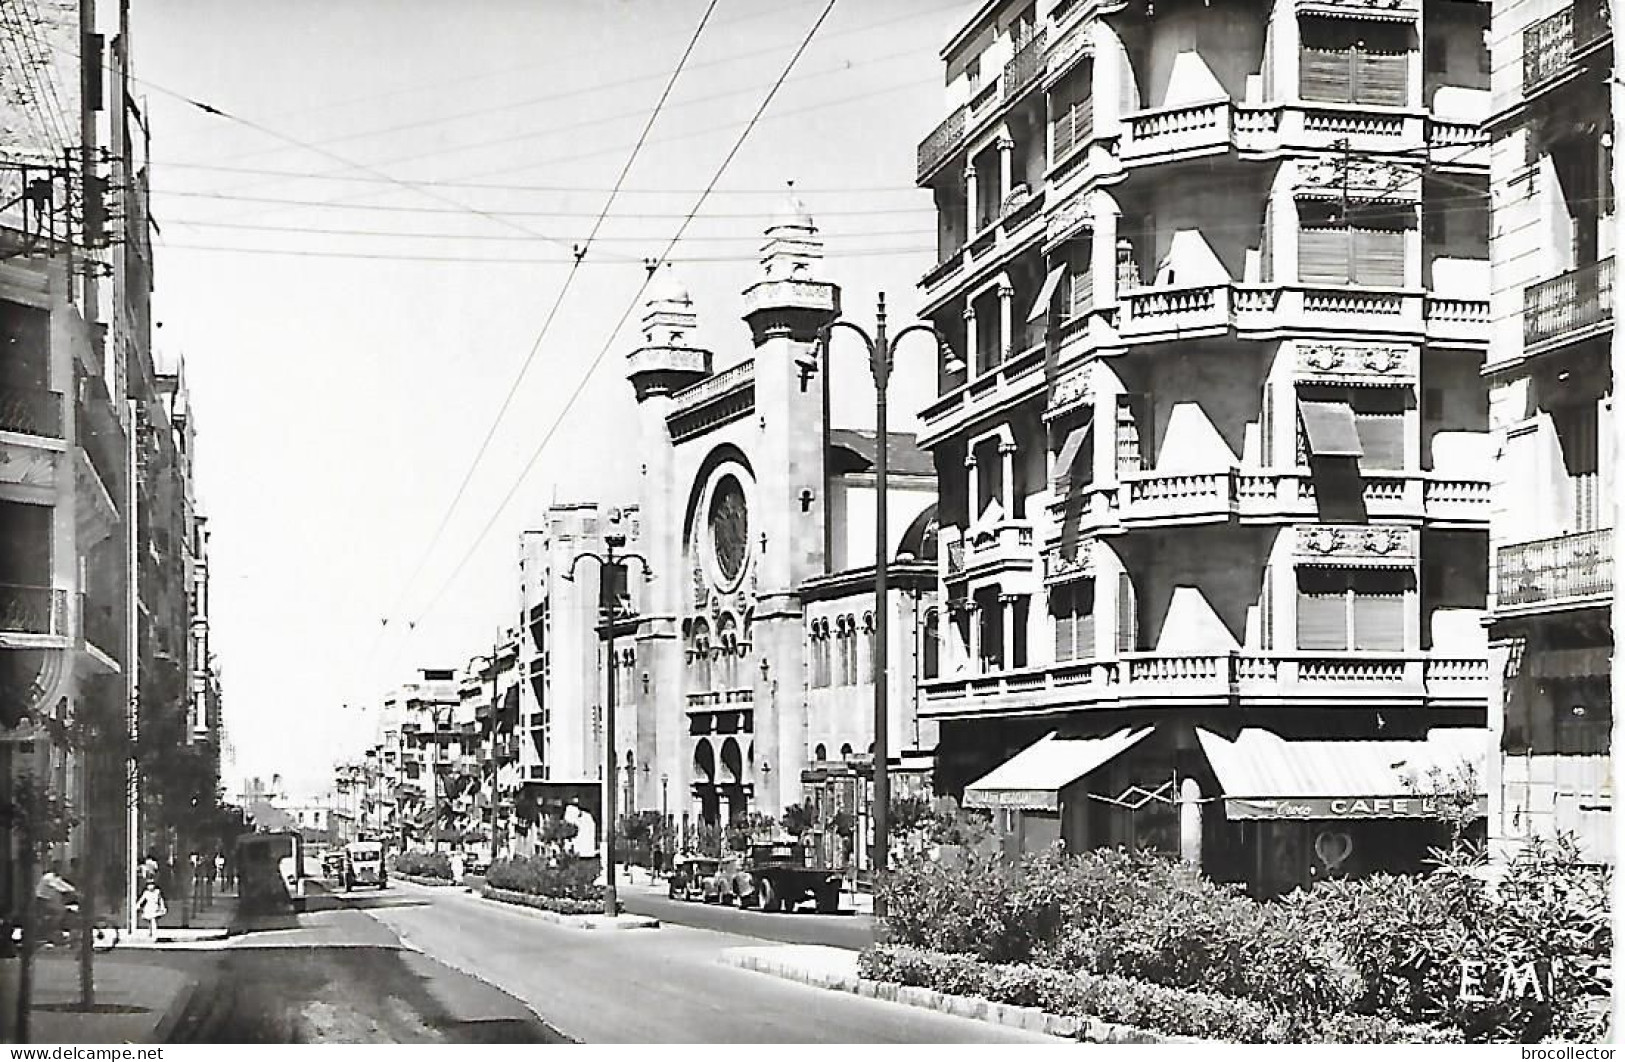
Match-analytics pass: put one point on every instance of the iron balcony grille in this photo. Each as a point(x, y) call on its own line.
point(941, 143)
point(31, 411)
point(1025, 66)
point(1551, 45)
point(1567, 568)
point(1569, 304)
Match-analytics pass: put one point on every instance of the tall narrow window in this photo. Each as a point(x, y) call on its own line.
point(1576, 428)
point(931, 646)
point(1072, 605)
point(1342, 609)
point(1354, 61)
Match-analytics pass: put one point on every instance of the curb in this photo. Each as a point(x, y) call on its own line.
point(416, 879)
point(166, 1025)
point(586, 921)
point(1028, 1019)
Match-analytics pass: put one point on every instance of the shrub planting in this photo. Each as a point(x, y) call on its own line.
point(568, 879)
point(436, 865)
point(1517, 960)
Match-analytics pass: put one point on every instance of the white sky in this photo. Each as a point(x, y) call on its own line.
point(339, 399)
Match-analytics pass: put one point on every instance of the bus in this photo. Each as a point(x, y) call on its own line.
point(270, 870)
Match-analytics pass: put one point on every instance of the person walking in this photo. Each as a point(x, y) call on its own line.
point(151, 907)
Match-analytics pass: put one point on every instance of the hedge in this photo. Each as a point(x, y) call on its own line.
point(435, 865)
point(556, 904)
point(1174, 1012)
point(571, 879)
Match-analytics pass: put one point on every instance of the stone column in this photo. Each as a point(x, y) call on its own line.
point(972, 507)
point(1190, 823)
point(1006, 146)
point(972, 221)
point(972, 360)
point(1007, 618)
point(1007, 318)
point(1007, 459)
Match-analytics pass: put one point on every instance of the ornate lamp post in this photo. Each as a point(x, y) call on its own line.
point(880, 349)
point(610, 562)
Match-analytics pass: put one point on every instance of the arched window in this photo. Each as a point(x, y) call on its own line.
point(930, 661)
point(819, 753)
point(846, 750)
point(728, 641)
point(700, 656)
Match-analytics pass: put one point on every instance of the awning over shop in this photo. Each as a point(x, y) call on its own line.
point(1033, 778)
point(1266, 776)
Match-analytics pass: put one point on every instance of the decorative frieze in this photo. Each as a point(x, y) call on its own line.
point(1355, 545)
point(1382, 10)
point(1072, 214)
point(1073, 391)
point(1371, 180)
point(1356, 363)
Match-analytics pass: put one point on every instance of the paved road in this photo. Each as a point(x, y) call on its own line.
point(851, 931)
point(652, 986)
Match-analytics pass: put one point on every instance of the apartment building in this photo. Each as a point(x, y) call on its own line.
point(1551, 400)
point(1214, 477)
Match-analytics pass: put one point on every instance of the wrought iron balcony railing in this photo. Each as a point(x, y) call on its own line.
point(33, 610)
point(1025, 66)
point(941, 142)
point(1568, 569)
point(31, 411)
point(1568, 305)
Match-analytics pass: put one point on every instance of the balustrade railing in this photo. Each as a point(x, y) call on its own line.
point(1568, 303)
point(31, 411)
point(1178, 128)
point(712, 386)
point(1567, 568)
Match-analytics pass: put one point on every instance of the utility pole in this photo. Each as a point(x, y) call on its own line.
point(880, 350)
point(608, 564)
point(496, 649)
point(90, 101)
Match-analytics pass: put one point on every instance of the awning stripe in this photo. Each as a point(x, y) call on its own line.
point(1071, 450)
point(1046, 294)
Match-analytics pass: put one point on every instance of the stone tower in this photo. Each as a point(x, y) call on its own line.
point(785, 310)
point(665, 362)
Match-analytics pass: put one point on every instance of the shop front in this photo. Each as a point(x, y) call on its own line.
point(1304, 811)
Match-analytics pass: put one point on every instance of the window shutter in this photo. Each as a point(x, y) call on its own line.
point(1379, 257)
point(1064, 632)
point(1379, 618)
point(1325, 74)
point(1322, 610)
point(1323, 255)
point(1128, 633)
point(1083, 635)
point(1382, 439)
point(1381, 78)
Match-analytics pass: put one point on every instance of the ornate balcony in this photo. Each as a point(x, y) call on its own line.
point(1569, 571)
point(1457, 321)
point(943, 141)
point(1025, 67)
point(1002, 545)
point(1568, 307)
point(31, 411)
point(1155, 679)
point(1166, 498)
point(34, 610)
point(1552, 46)
point(1152, 313)
point(1184, 131)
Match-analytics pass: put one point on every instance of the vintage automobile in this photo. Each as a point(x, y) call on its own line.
point(731, 883)
point(364, 865)
point(690, 876)
point(783, 874)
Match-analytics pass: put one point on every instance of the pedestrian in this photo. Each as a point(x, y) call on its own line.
point(149, 868)
point(211, 870)
point(458, 865)
point(196, 864)
point(150, 908)
point(54, 895)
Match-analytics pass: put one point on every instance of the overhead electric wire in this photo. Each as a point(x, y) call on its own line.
point(28, 76)
point(600, 88)
point(874, 252)
point(202, 223)
point(547, 324)
point(631, 305)
point(30, 26)
point(389, 208)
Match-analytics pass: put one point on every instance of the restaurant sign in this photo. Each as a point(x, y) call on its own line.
point(1366, 807)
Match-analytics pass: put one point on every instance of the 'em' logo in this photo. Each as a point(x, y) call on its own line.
point(1529, 980)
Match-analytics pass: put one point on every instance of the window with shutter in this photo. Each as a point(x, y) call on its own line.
point(1084, 628)
point(1381, 78)
point(1322, 609)
point(1351, 61)
point(1325, 74)
point(1576, 428)
point(1379, 420)
point(1323, 255)
point(1379, 612)
point(1065, 625)
point(1379, 257)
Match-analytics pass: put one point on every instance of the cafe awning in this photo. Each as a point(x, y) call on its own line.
point(1266, 776)
point(1330, 428)
point(1033, 778)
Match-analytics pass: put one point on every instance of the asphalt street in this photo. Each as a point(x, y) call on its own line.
point(849, 930)
point(664, 985)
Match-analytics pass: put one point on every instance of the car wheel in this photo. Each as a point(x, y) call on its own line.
point(767, 895)
point(829, 899)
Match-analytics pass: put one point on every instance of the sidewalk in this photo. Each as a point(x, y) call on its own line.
point(183, 927)
point(136, 1002)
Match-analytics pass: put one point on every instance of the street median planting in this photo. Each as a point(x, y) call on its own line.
point(429, 867)
point(564, 886)
point(1139, 939)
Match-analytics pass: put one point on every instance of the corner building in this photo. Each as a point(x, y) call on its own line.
point(1215, 481)
point(1551, 400)
point(746, 677)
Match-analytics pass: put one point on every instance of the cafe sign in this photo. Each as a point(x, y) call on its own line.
point(1364, 807)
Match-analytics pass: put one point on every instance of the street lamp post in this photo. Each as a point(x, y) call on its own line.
point(880, 349)
point(608, 563)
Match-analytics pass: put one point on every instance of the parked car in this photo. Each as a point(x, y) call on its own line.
point(731, 883)
point(333, 866)
point(782, 875)
point(690, 875)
